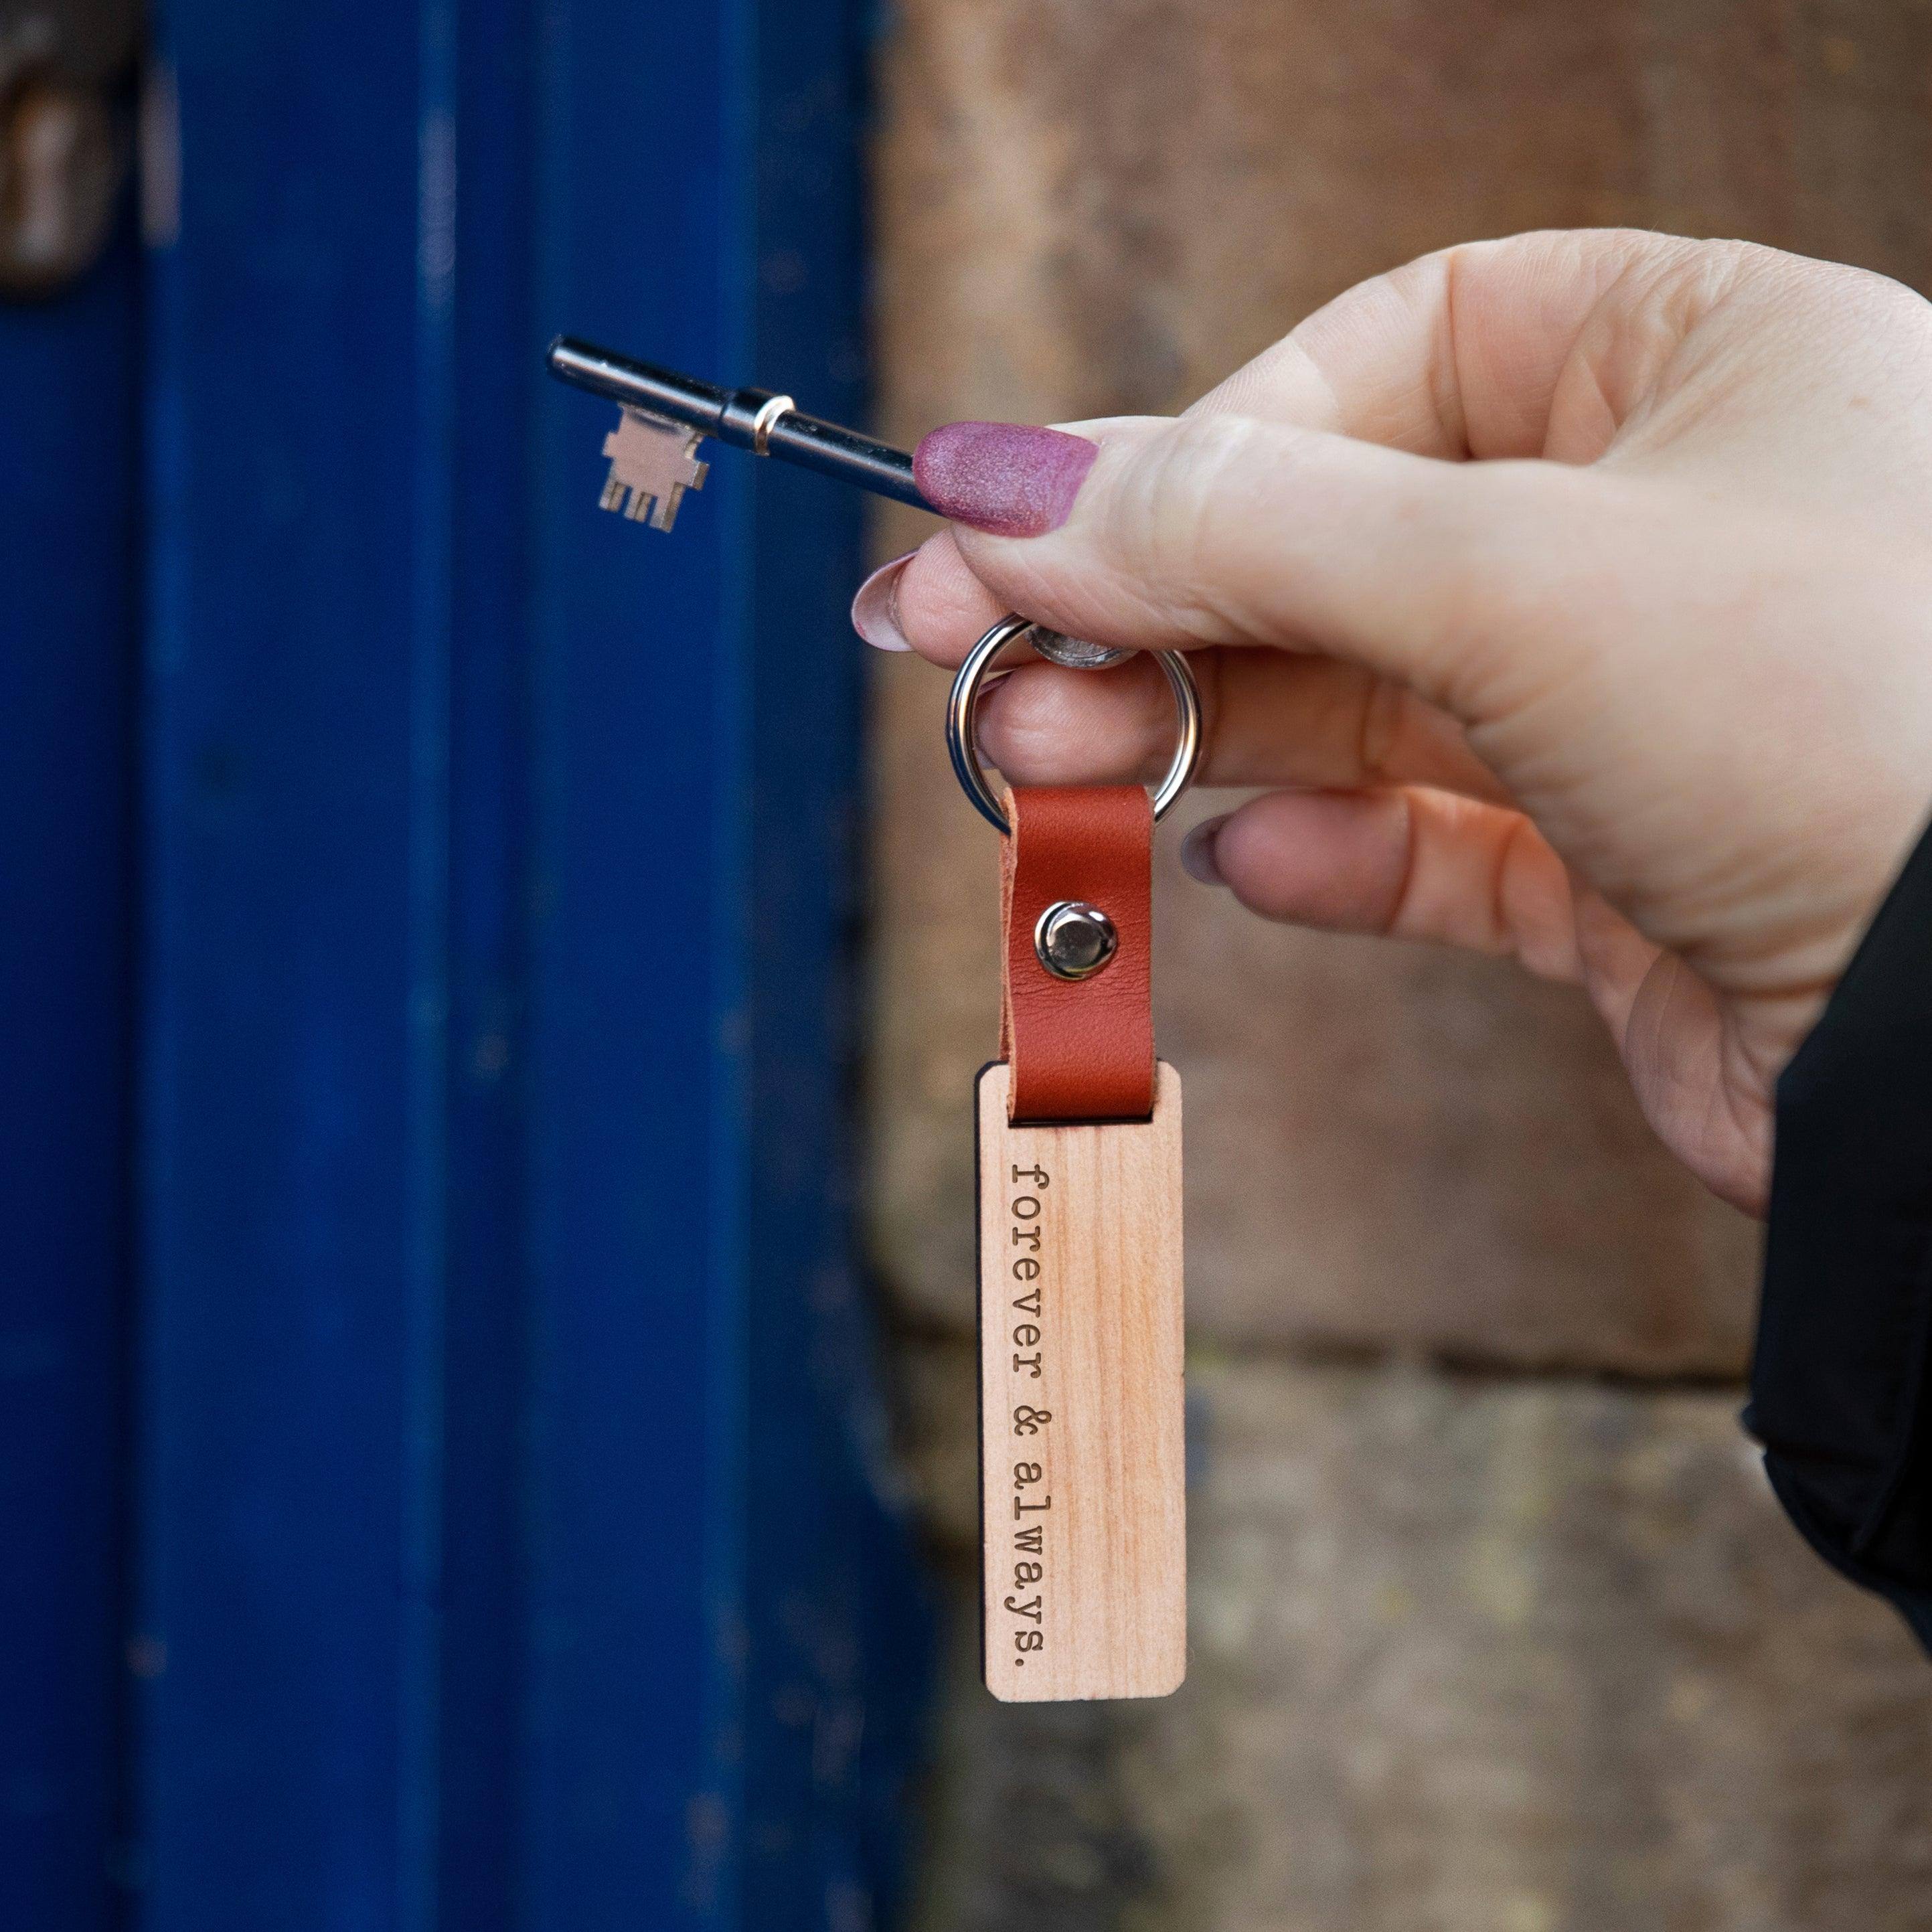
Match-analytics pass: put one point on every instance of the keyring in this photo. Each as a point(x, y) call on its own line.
point(965, 698)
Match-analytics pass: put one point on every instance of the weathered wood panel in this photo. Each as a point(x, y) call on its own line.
point(1469, 1651)
point(1479, 1656)
point(1085, 209)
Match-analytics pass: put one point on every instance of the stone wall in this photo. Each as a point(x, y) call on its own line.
point(1494, 1624)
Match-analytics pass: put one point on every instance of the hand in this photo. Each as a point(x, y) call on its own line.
point(1574, 592)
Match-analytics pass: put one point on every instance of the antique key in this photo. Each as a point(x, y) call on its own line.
point(1083, 1510)
point(666, 417)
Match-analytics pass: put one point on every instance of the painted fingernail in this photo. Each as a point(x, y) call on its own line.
point(875, 611)
point(1197, 851)
point(1008, 478)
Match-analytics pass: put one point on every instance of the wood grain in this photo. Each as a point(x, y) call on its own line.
point(1082, 1462)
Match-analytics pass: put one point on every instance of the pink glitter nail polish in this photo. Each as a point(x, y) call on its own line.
point(1009, 479)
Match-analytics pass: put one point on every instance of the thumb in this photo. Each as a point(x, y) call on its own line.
point(1228, 529)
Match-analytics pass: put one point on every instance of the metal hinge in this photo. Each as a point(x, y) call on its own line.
point(64, 137)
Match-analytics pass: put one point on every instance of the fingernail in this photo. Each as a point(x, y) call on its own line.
point(1007, 478)
point(875, 611)
point(1197, 851)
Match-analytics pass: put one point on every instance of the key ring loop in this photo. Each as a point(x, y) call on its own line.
point(960, 708)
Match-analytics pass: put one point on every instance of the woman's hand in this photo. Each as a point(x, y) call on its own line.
point(1574, 593)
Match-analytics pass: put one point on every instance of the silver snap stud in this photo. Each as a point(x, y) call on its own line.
point(1074, 941)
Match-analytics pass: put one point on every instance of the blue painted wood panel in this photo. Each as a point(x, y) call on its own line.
point(293, 974)
point(68, 412)
point(508, 1550)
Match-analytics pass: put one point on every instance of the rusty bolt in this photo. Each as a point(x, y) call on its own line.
point(62, 159)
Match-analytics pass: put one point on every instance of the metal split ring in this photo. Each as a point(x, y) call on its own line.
point(965, 701)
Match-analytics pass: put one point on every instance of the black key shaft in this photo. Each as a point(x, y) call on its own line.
point(732, 415)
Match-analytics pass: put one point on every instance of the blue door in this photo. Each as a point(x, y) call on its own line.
point(437, 1403)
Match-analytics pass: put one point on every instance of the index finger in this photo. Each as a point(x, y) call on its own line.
point(1461, 353)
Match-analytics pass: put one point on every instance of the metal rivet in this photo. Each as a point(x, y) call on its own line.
point(1074, 941)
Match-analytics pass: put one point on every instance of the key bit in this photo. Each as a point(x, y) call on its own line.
point(652, 463)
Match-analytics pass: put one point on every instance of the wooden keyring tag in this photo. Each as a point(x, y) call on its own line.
point(1083, 1506)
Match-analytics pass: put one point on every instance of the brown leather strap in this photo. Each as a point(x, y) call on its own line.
point(1080, 1049)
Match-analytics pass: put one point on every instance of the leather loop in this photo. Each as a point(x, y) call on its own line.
point(1080, 1049)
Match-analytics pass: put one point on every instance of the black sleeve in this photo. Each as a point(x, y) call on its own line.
point(1838, 1390)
